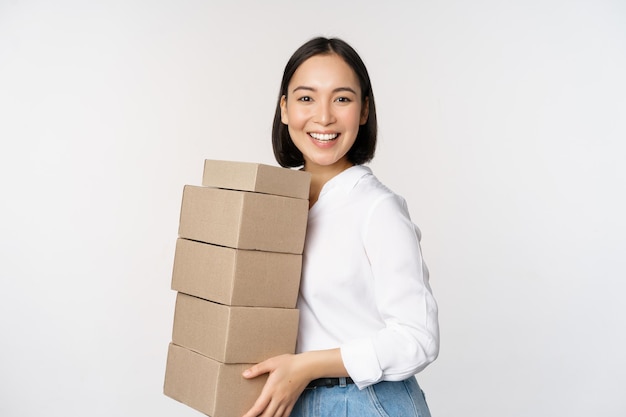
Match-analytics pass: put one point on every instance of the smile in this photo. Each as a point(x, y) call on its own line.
point(324, 137)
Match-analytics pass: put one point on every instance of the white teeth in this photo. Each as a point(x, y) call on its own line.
point(324, 136)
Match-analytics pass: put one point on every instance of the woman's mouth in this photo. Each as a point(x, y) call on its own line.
point(324, 137)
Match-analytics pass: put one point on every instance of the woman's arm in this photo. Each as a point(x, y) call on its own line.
point(409, 340)
point(288, 377)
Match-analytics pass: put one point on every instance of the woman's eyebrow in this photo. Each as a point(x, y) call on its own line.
point(303, 87)
point(336, 90)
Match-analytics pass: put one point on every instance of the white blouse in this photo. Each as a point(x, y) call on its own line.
point(364, 284)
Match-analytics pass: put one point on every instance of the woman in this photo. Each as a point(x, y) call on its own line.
point(368, 320)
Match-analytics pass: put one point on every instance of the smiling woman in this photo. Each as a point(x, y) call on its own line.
point(323, 110)
point(368, 319)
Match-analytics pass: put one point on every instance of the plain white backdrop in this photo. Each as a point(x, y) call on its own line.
point(503, 124)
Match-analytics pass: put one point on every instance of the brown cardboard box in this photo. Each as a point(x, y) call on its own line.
point(243, 220)
point(208, 386)
point(236, 277)
point(233, 334)
point(247, 176)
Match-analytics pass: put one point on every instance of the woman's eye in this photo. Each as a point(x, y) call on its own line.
point(304, 98)
point(343, 99)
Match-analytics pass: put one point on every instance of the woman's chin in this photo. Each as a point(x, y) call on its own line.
point(331, 163)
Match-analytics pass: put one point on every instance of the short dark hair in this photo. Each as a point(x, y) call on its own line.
point(286, 153)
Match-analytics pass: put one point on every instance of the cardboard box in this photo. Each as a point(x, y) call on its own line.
point(247, 176)
point(243, 220)
point(236, 277)
point(233, 334)
point(208, 386)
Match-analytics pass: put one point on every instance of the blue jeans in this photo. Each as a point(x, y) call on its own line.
point(385, 399)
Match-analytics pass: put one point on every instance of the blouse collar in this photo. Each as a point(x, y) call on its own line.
point(346, 180)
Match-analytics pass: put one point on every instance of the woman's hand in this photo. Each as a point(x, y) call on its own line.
point(286, 381)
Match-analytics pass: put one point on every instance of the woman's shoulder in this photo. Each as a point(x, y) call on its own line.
point(373, 191)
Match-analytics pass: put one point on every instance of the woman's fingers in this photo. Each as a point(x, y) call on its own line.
point(267, 406)
point(259, 369)
point(252, 372)
point(281, 389)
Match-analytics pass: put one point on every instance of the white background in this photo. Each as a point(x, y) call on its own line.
point(501, 122)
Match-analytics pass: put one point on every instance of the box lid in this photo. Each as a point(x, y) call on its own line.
point(255, 177)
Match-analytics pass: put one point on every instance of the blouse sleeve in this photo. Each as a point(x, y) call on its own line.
point(409, 341)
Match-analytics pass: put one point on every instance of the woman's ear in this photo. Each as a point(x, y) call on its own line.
point(365, 111)
point(283, 110)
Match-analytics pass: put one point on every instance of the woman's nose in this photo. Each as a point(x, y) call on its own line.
point(325, 115)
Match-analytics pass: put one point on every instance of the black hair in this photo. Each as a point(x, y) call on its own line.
point(286, 153)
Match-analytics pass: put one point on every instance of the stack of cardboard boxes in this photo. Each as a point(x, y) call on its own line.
point(237, 272)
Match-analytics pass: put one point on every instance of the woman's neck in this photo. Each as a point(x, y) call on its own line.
point(320, 175)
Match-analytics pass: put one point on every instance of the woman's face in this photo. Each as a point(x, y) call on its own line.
point(323, 111)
